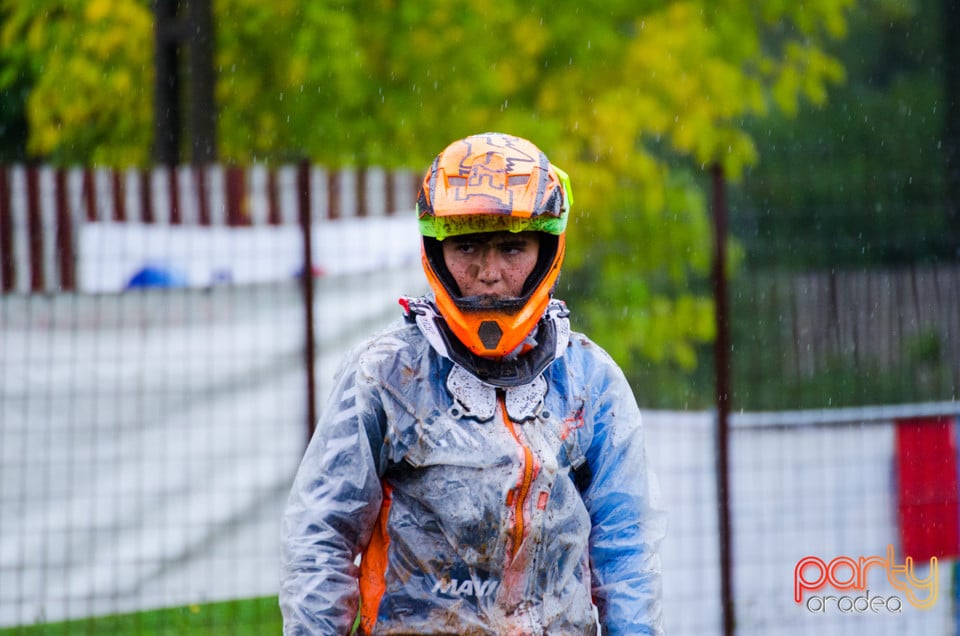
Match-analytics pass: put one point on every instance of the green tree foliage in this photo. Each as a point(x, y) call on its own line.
point(632, 97)
point(860, 182)
point(90, 62)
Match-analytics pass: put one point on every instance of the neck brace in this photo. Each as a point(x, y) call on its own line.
point(476, 399)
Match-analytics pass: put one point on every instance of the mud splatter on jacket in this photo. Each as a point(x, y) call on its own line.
point(477, 509)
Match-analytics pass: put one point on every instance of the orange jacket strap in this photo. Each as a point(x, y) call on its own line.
point(373, 566)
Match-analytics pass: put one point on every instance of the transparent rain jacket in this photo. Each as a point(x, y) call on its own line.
point(476, 509)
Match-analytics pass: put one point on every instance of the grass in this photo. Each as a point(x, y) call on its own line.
point(234, 618)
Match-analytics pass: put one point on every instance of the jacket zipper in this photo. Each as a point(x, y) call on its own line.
point(529, 472)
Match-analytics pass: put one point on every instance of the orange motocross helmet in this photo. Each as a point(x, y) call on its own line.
point(493, 182)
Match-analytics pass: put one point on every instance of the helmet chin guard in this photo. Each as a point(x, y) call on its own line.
point(493, 183)
point(553, 334)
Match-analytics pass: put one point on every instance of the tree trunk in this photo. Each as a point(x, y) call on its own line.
point(203, 112)
point(166, 87)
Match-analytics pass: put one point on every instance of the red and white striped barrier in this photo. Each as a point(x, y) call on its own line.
point(42, 207)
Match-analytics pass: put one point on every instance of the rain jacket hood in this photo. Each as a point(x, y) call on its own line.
point(474, 508)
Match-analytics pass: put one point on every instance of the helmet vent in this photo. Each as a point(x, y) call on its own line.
point(490, 334)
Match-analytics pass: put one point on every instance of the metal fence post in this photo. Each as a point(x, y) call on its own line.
point(306, 282)
point(722, 377)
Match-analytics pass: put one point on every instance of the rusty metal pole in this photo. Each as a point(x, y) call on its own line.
point(951, 123)
point(722, 377)
point(306, 283)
